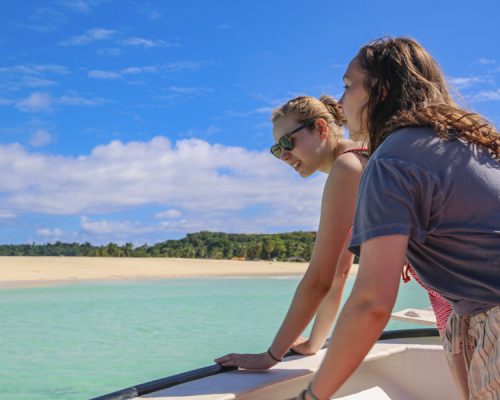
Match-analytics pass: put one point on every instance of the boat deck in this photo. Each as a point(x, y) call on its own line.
point(394, 369)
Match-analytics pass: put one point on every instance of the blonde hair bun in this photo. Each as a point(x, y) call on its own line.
point(333, 108)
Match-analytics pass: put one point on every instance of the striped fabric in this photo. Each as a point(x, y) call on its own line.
point(440, 306)
point(481, 334)
point(484, 368)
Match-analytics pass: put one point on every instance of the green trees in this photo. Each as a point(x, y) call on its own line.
point(217, 245)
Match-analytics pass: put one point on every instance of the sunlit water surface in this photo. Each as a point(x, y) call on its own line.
point(81, 341)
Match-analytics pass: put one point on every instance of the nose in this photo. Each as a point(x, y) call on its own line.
point(341, 102)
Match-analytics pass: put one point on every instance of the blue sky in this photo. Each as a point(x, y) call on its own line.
point(140, 121)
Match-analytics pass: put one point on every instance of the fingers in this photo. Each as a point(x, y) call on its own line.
point(230, 360)
point(247, 361)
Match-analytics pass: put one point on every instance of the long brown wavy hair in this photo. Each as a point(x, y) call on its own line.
point(407, 88)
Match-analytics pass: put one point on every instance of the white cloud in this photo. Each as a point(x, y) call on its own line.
point(185, 92)
point(77, 5)
point(32, 81)
point(487, 95)
point(45, 19)
point(463, 82)
point(105, 227)
point(171, 213)
point(191, 133)
point(97, 74)
point(212, 129)
point(146, 43)
point(40, 138)
point(7, 214)
point(110, 52)
point(90, 35)
point(264, 110)
point(104, 74)
point(36, 102)
point(179, 66)
point(139, 70)
point(34, 69)
point(243, 114)
point(338, 66)
point(189, 90)
point(75, 100)
point(486, 61)
point(29, 76)
point(50, 233)
point(212, 185)
point(153, 15)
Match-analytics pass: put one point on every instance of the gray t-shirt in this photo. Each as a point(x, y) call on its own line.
point(444, 194)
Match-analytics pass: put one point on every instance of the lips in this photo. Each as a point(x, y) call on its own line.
point(295, 165)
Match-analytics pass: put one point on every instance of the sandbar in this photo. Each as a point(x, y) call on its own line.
point(18, 272)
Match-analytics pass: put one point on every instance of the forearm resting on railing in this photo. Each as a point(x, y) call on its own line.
point(308, 296)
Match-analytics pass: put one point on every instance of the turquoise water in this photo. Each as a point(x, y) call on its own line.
point(81, 341)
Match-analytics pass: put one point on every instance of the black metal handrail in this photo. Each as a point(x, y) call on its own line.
point(184, 377)
point(164, 383)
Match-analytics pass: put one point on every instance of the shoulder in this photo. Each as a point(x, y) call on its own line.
point(348, 165)
point(405, 142)
point(343, 179)
point(411, 133)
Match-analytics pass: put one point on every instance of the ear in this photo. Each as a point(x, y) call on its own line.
point(323, 128)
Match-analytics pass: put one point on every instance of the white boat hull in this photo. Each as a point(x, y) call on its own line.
point(402, 369)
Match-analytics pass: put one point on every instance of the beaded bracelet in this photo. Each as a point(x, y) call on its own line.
point(273, 356)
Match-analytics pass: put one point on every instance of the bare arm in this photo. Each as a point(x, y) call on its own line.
point(365, 314)
point(337, 212)
point(328, 309)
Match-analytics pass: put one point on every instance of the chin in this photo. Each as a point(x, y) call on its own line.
point(305, 174)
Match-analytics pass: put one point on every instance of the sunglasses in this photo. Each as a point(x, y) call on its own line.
point(286, 142)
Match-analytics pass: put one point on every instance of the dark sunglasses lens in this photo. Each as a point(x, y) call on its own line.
point(286, 143)
point(276, 150)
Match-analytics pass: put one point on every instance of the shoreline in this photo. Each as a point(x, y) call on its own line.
point(26, 272)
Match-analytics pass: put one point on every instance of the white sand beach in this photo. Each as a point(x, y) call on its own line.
point(18, 272)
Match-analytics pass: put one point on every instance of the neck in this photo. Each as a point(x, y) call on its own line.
point(340, 146)
point(358, 136)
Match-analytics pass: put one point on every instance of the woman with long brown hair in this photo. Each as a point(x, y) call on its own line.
point(430, 193)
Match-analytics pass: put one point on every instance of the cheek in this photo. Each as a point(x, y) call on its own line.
point(306, 151)
point(357, 105)
point(351, 104)
point(349, 108)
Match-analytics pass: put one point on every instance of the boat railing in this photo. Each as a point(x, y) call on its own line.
point(211, 370)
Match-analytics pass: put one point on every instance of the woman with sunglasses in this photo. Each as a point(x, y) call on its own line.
point(309, 138)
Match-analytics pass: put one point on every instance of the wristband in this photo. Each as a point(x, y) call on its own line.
point(273, 356)
point(310, 392)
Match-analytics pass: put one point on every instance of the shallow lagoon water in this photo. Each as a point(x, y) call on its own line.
point(81, 341)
